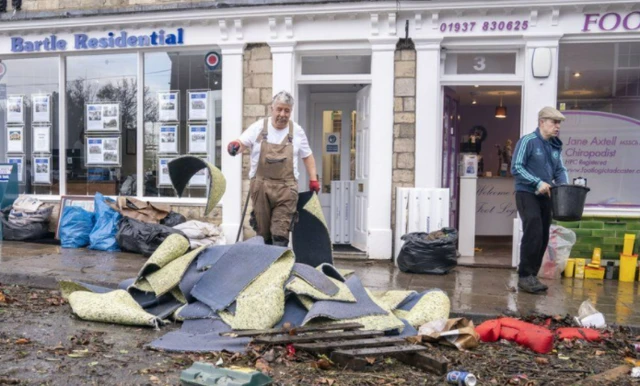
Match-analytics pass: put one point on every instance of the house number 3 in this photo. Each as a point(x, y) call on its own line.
point(480, 63)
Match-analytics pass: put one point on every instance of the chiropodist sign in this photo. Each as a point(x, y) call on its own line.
point(604, 148)
point(97, 41)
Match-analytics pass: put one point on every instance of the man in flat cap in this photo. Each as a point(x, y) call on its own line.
point(537, 166)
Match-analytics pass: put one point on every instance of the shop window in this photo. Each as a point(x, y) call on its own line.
point(182, 115)
point(600, 97)
point(101, 111)
point(29, 122)
point(336, 64)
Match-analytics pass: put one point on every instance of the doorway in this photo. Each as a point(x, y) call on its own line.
point(328, 112)
point(483, 121)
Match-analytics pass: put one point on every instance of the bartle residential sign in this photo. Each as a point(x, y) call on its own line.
point(111, 40)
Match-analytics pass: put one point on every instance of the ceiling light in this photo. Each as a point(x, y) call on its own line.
point(576, 74)
point(476, 86)
point(501, 111)
point(473, 102)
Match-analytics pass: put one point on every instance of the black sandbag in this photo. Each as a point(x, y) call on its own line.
point(421, 255)
point(140, 237)
point(173, 219)
point(27, 232)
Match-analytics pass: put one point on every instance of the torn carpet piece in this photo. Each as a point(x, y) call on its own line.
point(311, 239)
point(336, 310)
point(331, 271)
point(233, 272)
point(196, 310)
point(261, 304)
point(111, 307)
point(164, 309)
point(190, 278)
point(201, 336)
point(67, 287)
point(211, 255)
point(425, 307)
point(390, 300)
point(171, 248)
point(315, 278)
point(181, 170)
point(169, 276)
point(294, 312)
point(301, 287)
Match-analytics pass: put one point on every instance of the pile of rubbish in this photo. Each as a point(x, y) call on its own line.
point(27, 220)
point(246, 286)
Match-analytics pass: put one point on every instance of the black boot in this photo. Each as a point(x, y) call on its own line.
point(280, 241)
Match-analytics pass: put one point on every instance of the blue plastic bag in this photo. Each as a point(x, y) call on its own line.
point(103, 235)
point(76, 225)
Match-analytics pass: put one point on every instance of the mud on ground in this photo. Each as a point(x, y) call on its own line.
point(41, 343)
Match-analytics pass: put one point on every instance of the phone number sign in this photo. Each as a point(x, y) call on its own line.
point(484, 26)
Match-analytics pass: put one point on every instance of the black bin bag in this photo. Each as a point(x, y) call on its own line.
point(141, 237)
point(429, 252)
point(28, 232)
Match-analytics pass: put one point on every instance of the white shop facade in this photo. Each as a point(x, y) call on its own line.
point(142, 88)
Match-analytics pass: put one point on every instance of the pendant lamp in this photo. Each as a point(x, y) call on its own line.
point(501, 111)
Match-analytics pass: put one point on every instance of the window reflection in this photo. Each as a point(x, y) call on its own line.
point(30, 79)
point(102, 81)
point(179, 72)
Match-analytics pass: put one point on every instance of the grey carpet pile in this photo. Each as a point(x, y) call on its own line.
point(219, 284)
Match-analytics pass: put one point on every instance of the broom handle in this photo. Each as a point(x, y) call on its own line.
point(244, 212)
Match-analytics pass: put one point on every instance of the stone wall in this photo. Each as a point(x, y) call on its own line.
point(257, 98)
point(57, 5)
point(404, 128)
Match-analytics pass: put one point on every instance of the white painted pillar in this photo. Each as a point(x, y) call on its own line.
point(538, 92)
point(428, 114)
point(381, 148)
point(283, 66)
point(232, 105)
point(62, 125)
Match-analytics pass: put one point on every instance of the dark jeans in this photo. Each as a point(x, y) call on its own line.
point(535, 212)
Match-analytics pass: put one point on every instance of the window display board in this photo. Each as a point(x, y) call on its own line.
point(41, 136)
point(102, 117)
point(41, 170)
point(15, 139)
point(20, 162)
point(41, 111)
point(198, 104)
point(103, 151)
point(168, 142)
point(15, 109)
point(198, 139)
point(163, 172)
point(168, 106)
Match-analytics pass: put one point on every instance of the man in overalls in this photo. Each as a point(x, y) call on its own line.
point(275, 144)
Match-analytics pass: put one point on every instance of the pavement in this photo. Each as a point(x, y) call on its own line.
point(478, 292)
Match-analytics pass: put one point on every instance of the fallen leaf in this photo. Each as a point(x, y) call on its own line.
point(269, 356)
point(286, 326)
point(23, 341)
point(322, 364)
point(263, 366)
point(542, 361)
point(293, 331)
point(632, 361)
point(600, 352)
point(93, 364)
point(291, 351)
point(33, 296)
point(370, 360)
point(124, 352)
point(53, 301)
point(3, 299)
point(154, 379)
point(563, 357)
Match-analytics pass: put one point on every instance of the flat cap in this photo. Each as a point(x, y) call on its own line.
point(550, 113)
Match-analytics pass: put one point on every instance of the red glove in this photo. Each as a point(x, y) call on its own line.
point(233, 148)
point(314, 186)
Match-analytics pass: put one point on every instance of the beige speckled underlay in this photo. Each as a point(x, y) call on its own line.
point(389, 300)
point(111, 307)
point(171, 248)
point(178, 295)
point(261, 304)
point(432, 306)
point(301, 287)
point(142, 285)
point(217, 187)
point(306, 301)
point(169, 276)
point(68, 287)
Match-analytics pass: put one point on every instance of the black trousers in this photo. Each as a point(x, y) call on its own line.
point(535, 212)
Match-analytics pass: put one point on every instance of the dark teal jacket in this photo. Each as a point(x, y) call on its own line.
point(536, 160)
